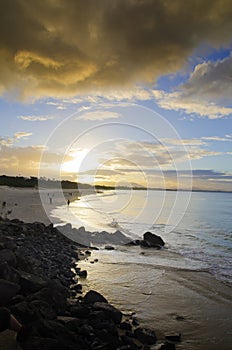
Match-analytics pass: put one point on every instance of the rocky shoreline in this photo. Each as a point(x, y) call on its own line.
point(40, 282)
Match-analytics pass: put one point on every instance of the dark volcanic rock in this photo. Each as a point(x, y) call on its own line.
point(92, 297)
point(30, 283)
point(168, 346)
point(7, 291)
point(54, 296)
point(145, 336)
point(109, 310)
point(79, 311)
point(25, 312)
point(175, 338)
point(38, 343)
point(145, 244)
point(9, 273)
point(154, 240)
point(6, 255)
point(39, 277)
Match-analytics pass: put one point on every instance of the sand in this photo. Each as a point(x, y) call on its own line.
point(204, 303)
point(160, 296)
point(26, 204)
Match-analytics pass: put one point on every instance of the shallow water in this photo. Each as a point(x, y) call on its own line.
point(197, 226)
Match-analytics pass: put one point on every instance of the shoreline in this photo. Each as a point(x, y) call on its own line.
point(207, 320)
point(168, 300)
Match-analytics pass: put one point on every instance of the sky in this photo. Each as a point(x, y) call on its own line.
point(120, 92)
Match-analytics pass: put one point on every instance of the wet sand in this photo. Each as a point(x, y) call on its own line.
point(168, 300)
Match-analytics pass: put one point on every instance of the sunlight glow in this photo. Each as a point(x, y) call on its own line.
point(74, 165)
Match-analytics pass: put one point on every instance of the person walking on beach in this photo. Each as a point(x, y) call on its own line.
point(68, 202)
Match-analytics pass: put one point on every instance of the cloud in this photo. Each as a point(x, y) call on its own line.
point(6, 141)
point(227, 138)
point(165, 154)
point(99, 115)
point(22, 134)
point(207, 92)
point(191, 104)
point(211, 80)
point(27, 160)
point(63, 48)
point(34, 118)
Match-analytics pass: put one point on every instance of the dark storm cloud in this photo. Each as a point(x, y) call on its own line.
point(60, 47)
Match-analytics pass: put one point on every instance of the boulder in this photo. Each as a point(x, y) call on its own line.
point(154, 240)
point(37, 343)
point(44, 309)
point(25, 312)
point(7, 291)
point(30, 283)
point(145, 336)
point(6, 255)
point(55, 296)
point(92, 297)
point(129, 343)
point(9, 273)
point(82, 273)
point(79, 311)
point(145, 244)
point(109, 247)
point(109, 310)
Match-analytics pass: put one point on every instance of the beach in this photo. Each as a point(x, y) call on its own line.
point(25, 203)
point(192, 303)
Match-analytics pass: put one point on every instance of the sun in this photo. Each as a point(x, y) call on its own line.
point(76, 163)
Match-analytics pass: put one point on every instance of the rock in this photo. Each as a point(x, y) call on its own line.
point(6, 255)
point(109, 310)
point(145, 336)
point(174, 338)
point(54, 296)
point(74, 254)
point(82, 274)
point(93, 297)
point(109, 247)
point(180, 318)
point(55, 330)
point(129, 342)
point(7, 291)
point(168, 346)
point(79, 311)
point(135, 322)
point(25, 312)
point(154, 240)
point(44, 309)
point(126, 326)
point(30, 283)
point(145, 244)
point(38, 343)
point(77, 287)
point(24, 262)
point(9, 273)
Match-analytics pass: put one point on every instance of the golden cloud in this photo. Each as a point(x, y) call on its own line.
point(61, 48)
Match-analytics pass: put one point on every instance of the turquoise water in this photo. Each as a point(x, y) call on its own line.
point(197, 227)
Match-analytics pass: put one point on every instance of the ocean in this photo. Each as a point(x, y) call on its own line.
point(196, 227)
